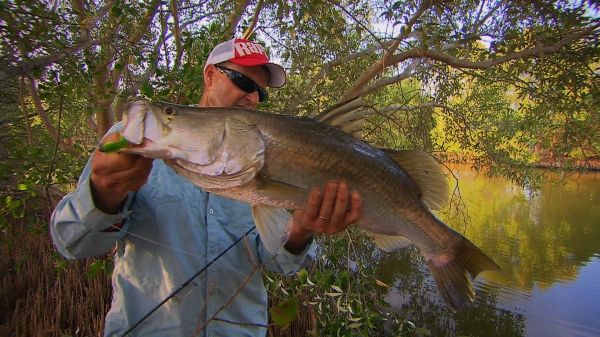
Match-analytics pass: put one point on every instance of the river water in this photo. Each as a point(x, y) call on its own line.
point(547, 243)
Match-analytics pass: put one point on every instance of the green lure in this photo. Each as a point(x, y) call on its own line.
point(115, 146)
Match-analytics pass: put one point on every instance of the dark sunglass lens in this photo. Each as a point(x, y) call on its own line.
point(245, 83)
point(262, 94)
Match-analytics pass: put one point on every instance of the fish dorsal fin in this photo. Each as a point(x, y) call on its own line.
point(389, 242)
point(347, 116)
point(272, 226)
point(426, 173)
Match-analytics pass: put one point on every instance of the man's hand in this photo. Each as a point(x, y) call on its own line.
point(329, 212)
point(114, 175)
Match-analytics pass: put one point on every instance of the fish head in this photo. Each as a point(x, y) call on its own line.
point(169, 131)
point(207, 141)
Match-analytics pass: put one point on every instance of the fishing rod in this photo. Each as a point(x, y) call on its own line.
point(184, 284)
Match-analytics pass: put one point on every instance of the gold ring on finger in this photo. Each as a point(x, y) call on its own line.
point(324, 218)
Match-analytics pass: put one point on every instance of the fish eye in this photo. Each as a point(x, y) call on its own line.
point(169, 111)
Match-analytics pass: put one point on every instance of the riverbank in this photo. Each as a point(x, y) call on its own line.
point(545, 162)
point(590, 164)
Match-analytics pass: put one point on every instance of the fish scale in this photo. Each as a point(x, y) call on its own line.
point(312, 155)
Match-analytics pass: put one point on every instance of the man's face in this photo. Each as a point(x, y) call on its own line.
point(222, 92)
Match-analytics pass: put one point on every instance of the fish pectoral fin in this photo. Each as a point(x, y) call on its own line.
point(426, 173)
point(390, 242)
point(217, 181)
point(281, 191)
point(272, 226)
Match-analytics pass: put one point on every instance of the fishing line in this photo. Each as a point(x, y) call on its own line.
point(156, 242)
point(185, 284)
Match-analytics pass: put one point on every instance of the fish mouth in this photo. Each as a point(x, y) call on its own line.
point(148, 148)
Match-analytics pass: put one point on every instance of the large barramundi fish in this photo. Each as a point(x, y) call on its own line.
point(272, 161)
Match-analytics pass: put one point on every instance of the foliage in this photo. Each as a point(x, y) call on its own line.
point(342, 290)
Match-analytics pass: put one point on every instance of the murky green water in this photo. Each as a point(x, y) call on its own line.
point(548, 245)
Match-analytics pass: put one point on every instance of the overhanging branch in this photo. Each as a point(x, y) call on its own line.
point(526, 53)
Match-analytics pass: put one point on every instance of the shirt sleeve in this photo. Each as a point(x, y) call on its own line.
point(79, 229)
point(285, 262)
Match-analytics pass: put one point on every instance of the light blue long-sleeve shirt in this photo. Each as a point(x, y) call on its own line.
point(171, 229)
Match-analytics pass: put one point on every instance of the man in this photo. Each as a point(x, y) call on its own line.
point(166, 229)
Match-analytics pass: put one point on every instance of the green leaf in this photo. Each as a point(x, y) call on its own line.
point(116, 11)
point(283, 313)
point(355, 325)
point(96, 268)
point(302, 275)
point(147, 90)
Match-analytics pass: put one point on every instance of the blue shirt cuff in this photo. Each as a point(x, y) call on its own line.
point(96, 219)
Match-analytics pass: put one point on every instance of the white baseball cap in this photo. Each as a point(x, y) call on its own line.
point(247, 53)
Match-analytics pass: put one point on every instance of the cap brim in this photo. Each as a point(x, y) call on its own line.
point(277, 75)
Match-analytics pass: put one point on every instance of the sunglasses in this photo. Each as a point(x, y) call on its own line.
point(243, 82)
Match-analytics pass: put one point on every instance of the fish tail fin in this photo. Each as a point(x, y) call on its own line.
point(453, 274)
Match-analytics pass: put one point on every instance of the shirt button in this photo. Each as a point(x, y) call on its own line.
point(211, 211)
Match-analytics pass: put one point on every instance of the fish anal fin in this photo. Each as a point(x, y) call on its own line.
point(272, 226)
point(453, 273)
point(426, 173)
point(390, 242)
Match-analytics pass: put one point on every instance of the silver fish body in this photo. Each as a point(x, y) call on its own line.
point(270, 160)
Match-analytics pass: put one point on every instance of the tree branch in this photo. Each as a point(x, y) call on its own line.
point(526, 53)
point(385, 61)
point(120, 100)
point(24, 108)
point(325, 69)
point(27, 66)
point(236, 15)
point(176, 34)
point(105, 112)
point(250, 28)
point(398, 107)
point(375, 37)
point(37, 102)
point(142, 27)
point(408, 72)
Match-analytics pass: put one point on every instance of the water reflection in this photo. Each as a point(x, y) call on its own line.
point(547, 243)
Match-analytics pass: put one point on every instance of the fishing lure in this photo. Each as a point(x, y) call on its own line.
point(111, 147)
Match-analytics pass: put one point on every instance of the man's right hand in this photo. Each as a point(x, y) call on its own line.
point(116, 174)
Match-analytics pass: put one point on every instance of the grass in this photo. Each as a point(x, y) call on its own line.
point(44, 295)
